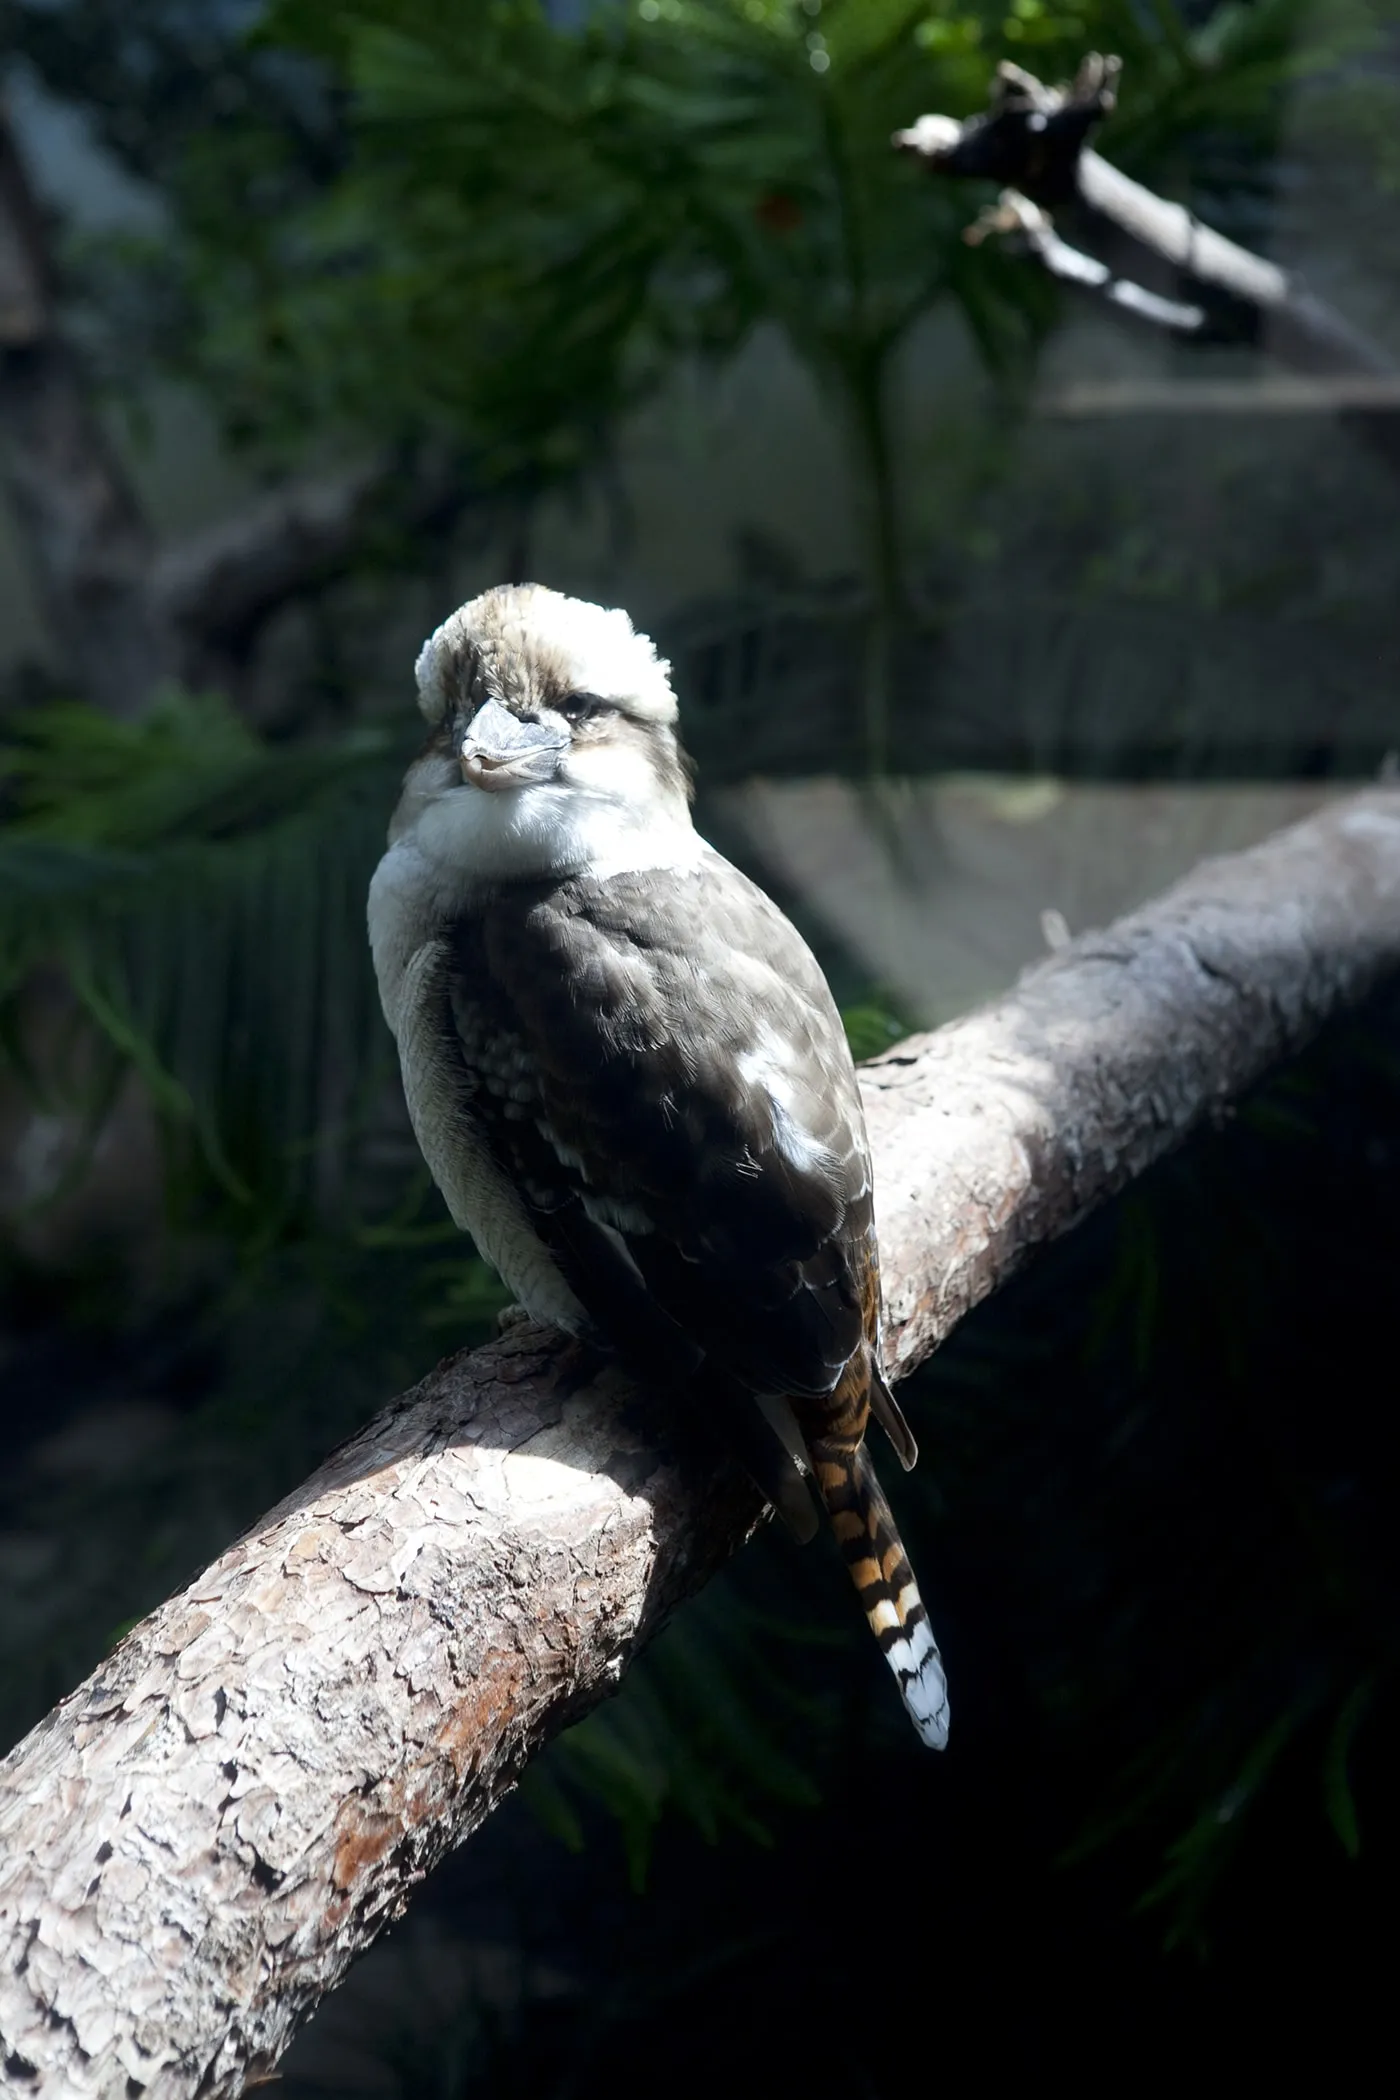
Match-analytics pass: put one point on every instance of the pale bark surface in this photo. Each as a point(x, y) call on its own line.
point(1005, 1128)
point(197, 1842)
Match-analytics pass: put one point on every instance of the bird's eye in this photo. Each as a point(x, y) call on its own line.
point(582, 707)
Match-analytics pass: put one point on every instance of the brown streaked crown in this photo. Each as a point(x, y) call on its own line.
point(526, 645)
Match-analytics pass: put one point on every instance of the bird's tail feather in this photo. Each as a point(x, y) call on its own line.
point(884, 1580)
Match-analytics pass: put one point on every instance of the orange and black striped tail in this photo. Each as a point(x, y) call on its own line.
point(884, 1580)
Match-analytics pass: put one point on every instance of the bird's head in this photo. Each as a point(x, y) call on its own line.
point(551, 739)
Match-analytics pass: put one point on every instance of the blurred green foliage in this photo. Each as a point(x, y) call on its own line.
point(402, 218)
point(202, 892)
point(399, 214)
point(534, 224)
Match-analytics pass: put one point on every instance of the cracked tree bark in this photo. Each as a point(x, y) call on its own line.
point(197, 1842)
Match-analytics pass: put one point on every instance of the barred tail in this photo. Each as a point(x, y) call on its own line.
point(884, 1580)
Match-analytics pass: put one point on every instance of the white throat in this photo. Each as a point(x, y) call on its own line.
point(462, 843)
point(551, 829)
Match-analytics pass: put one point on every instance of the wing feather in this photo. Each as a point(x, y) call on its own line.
point(664, 1075)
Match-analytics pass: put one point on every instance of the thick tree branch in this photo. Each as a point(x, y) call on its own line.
point(197, 1842)
point(1032, 140)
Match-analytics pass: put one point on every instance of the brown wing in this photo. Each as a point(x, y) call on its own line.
point(664, 1075)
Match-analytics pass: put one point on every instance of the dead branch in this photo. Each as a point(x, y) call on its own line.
point(1032, 140)
point(196, 1843)
point(1015, 214)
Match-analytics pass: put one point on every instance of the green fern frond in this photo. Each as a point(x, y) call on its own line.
point(202, 892)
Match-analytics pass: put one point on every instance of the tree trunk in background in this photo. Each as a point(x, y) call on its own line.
point(87, 539)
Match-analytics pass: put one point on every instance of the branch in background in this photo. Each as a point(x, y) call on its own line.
point(220, 588)
point(78, 516)
point(124, 614)
point(199, 1841)
point(1033, 141)
point(1015, 214)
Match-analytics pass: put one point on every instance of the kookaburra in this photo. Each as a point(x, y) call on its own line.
point(627, 1074)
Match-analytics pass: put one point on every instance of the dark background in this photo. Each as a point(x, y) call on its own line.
point(979, 603)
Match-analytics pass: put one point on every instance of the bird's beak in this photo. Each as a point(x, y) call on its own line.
point(500, 751)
